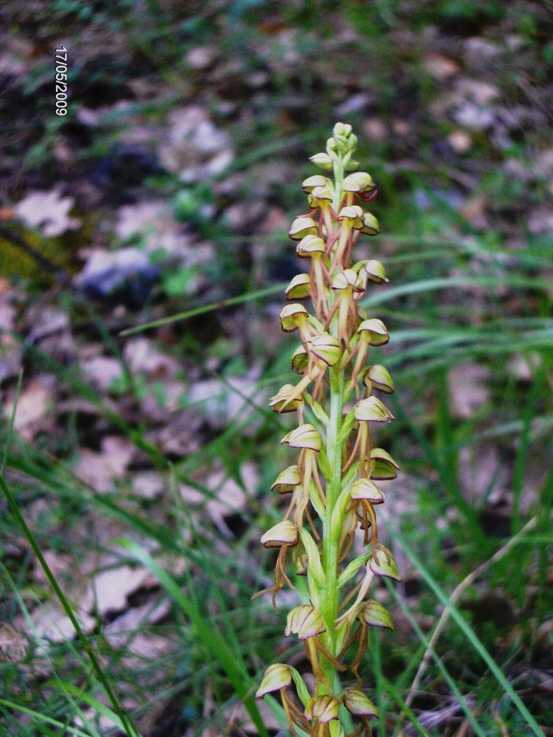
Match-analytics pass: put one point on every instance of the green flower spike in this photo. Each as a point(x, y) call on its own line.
point(331, 487)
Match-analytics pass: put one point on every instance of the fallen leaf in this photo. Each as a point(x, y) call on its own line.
point(48, 211)
point(33, 406)
point(99, 470)
point(468, 388)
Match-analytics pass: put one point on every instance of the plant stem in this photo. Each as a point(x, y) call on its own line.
point(329, 596)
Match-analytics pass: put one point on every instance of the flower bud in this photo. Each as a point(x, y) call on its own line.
point(304, 436)
point(322, 160)
point(374, 331)
point(383, 466)
point(375, 272)
point(283, 533)
point(358, 704)
point(304, 621)
point(370, 224)
point(284, 400)
point(309, 246)
point(380, 378)
point(360, 181)
point(341, 130)
point(299, 287)
point(276, 676)
point(287, 480)
point(365, 489)
point(317, 180)
point(353, 214)
point(300, 359)
point(292, 316)
point(302, 226)
point(372, 410)
point(322, 709)
point(375, 615)
point(327, 348)
point(383, 563)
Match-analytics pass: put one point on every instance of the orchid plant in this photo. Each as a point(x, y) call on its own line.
point(333, 485)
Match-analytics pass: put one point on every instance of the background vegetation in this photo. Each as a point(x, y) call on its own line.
point(136, 467)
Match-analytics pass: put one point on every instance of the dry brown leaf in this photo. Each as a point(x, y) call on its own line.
point(99, 470)
point(468, 388)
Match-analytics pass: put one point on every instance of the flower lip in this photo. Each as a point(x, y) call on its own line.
point(375, 271)
point(284, 532)
point(375, 615)
point(322, 709)
point(291, 316)
point(383, 466)
point(304, 436)
point(358, 704)
point(309, 246)
point(367, 490)
point(305, 622)
point(299, 287)
point(284, 400)
point(276, 676)
point(380, 378)
point(300, 359)
point(327, 348)
point(375, 330)
point(316, 180)
point(353, 214)
point(372, 410)
point(287, 480)
point(302, 226)
point(359, 181)
point(370, 224)
point(347, 279)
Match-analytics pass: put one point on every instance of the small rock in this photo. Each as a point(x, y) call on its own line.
point(109, 272)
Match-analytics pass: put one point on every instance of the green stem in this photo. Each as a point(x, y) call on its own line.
point(329, 595)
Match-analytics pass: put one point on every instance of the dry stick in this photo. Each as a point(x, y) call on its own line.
point(455, 595)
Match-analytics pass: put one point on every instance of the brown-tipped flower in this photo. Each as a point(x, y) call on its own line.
point(365, 489)
point(372, 410)
point(317, 180)
point(383, 466)
point(374, 331)
point(276, 676)
point(299, 287)
point(287, 480)
point(322, 709)
point(374, 614)
point(358, 704)
point(383, 563)
point(353, 214)
point(283, 533)
point(292, 316)
point(360, 181)
point(375, 271)
point(380, 378)
point(305, 622)
point(300, 359)
point(302, 226)
point(370, 224)
point(310, 246)
point(327, 348)
point(304, 436)
point(286, 399)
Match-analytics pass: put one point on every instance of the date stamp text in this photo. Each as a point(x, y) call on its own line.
point(62, 89)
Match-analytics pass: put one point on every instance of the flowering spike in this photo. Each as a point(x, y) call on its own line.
point(331, 484)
